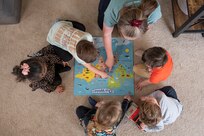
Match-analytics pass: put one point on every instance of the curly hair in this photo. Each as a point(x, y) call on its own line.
point(36, 69)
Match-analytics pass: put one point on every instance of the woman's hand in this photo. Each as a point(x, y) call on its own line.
point(109, 63)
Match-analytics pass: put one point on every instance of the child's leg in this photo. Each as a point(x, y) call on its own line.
point(92, 101)
point(141, 70)
point(81, 111)
point(64, 55)
point(44, 51)
point(58, 80)
point(103, 4)
point(84, 114)
point(60, 68)
point(170, 92)
point(77, 25)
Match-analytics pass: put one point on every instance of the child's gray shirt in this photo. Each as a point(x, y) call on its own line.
point(170, 108)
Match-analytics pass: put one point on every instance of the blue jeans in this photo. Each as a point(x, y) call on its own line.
point(85, 114)
point(103, 4)
point(170, 92)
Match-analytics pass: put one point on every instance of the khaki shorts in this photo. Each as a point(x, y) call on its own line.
point(141, 70)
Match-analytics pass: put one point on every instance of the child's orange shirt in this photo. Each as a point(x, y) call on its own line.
point(161, 74)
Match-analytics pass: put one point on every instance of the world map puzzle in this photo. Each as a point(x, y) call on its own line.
point(122, 79)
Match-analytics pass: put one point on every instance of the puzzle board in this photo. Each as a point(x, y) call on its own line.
point(122, 81)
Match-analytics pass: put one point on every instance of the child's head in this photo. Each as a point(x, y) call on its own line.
point(154, 57)
point(150, 112)
point(86, 51)
point(131, 23)
point(107, 115)
point(133, 20)
point(30, 69)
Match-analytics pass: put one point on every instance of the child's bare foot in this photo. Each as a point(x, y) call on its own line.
point(59, 89)
point(69, 63)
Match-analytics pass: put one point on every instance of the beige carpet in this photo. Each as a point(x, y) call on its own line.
point(27, 113)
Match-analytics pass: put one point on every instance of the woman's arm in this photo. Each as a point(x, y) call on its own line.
point(107, 39)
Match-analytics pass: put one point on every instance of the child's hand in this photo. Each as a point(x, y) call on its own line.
point(142, 83)
point(59, 89)
point(139, 85)
point(128, 97)
point(104, 75)
point(98, 104)
point(149, 69)
point(142, 126)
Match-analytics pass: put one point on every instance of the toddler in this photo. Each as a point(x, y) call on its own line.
point(157, 66)
point(103, 118)
point(43, 69)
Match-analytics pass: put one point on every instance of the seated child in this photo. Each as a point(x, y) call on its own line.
point(43, 69)
point(160, 108)
point(157, 66)
point(70, 36)
point(103, 118)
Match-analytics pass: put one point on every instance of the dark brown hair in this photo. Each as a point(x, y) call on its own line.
point(86, 51)
point(155, 57)
point(35, 71)
point(149, 113)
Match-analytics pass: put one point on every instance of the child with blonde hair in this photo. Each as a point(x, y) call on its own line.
point(71, 37)
point(103, 118)
point(132, 18)
point(160, 108)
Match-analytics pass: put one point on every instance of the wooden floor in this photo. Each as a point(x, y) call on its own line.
point(180, 17)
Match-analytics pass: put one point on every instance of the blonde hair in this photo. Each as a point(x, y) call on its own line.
point(131, 13)
point(150, 113)
point(107, 115)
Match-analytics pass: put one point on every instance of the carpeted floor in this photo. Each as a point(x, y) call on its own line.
point(27, 113)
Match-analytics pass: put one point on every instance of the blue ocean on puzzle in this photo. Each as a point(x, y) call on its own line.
point(122, 78)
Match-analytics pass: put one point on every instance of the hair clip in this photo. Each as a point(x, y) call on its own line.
point(136, 23)
point(25, 69)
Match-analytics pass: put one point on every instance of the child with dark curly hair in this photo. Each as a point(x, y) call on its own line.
point(42, 69)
